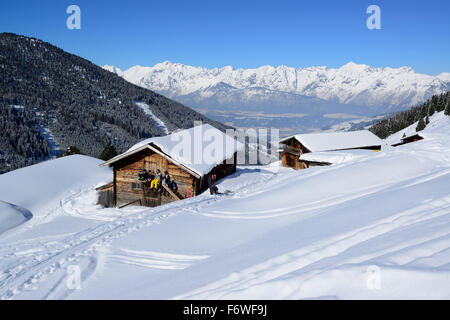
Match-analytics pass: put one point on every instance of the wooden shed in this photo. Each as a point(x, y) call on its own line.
point(408, 139)
point(182, 155)
point(293, 147)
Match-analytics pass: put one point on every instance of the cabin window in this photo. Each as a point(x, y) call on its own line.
point(136, 186)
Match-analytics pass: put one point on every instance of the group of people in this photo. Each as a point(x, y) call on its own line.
point(153, 180)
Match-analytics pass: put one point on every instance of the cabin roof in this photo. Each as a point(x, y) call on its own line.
point(412, 136)
point(329, 141)
point(335, 156)
point(407, 139)
point(198, 149)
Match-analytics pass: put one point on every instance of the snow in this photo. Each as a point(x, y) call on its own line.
point(444, 76)
point(199, 148)
point(159, 123)
point(335, 157)
point(328, 141)
point(323, 94)
point(350, 84)
point(39, 188)
point(113, 70)
point(438, 124)
point(374, 226)
point(12, 216)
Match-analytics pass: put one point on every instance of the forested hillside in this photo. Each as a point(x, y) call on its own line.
point(21, 142)
point(403, 119)
point(80, 104)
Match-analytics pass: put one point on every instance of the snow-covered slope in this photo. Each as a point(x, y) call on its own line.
point(438, 125)
point(357, 84)
point(375, 225)
point(41, 188)
point(12, 216)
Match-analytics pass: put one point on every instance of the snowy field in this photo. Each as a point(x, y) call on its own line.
point(373, 225)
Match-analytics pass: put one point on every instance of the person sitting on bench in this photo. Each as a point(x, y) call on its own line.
point(166, 181)
point(155, 181)
point(150, 177)
point(142, 175)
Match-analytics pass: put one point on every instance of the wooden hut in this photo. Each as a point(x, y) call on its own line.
point(293, 147)
point(408, 139)
point(189, 156)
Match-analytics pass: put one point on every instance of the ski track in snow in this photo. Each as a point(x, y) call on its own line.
point(27, 265)
point(302, 271)
point(31, 262)
point(234, 286)
point(153, 260)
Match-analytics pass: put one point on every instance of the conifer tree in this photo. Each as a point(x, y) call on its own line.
point(447, 108)
point(431, 110)
point(421, 125)
point(71, 150)
point(108, 153)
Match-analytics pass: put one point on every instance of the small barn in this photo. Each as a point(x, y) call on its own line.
point(408, 139)
point(293, 147)
point(189, 156)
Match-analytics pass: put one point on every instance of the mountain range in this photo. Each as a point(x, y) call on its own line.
point(312, 97)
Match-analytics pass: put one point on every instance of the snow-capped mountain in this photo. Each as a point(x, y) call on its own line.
point(383, 89)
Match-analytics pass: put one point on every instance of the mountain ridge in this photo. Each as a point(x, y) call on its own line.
point(387, 88)
point(45, 89)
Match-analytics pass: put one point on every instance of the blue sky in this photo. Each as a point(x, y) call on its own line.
point(244, 34)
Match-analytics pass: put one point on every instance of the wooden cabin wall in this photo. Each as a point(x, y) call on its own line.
point(106, 197)
point(184, 180)
point(222, 170)
point(284, 159)
point(292, 161)
point(288, 159)
point(292, 152)
point(126, 174)
point(298, 164)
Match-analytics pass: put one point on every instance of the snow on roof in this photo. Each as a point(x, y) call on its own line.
point(335, 156)
point(329, 141)
point(199, 149)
